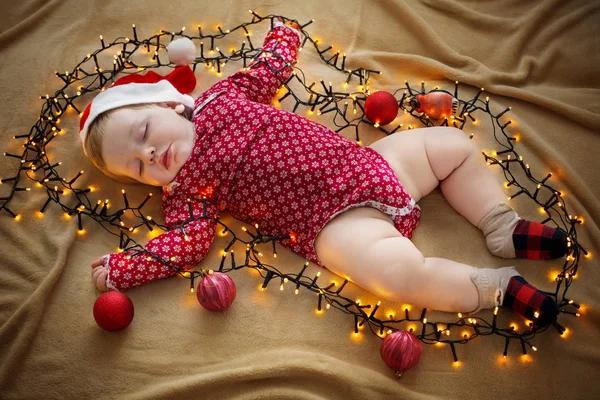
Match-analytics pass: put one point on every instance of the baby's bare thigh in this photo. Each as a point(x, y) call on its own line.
point(345, 244)
point(406, 152)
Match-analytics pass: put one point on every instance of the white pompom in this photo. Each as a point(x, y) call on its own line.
point(181, 51)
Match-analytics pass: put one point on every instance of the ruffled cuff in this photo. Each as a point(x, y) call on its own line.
point(106, 263)
point(281, 24)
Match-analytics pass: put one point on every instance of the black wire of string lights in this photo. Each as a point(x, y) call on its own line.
point(37, 167)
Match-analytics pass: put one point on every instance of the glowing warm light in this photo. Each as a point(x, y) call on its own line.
point(356, 337)
point(153, 233)
point(81, 231)
point(565, 334)
point(456, 364)
point(553, 275)
point(526, 358)
point(502, 359)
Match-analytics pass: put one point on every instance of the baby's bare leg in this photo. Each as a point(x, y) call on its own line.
point(466, 181)
point(426, 157)
point(363, 245)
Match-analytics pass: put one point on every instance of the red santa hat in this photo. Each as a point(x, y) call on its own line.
point(149, 88)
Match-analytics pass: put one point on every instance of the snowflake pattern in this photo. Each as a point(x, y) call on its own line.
point(270, 167)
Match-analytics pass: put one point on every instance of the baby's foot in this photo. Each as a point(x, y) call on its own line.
point(505, 287)
point(536, 241)
point(100, 274)
point(509, 236)
point(530, 302)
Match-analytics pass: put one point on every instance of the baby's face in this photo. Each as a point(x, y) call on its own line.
point(149, 145)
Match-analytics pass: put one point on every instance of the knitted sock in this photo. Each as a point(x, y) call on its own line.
point(530, 302)
point(505, 287)
point(491, 285)
point(509, 236)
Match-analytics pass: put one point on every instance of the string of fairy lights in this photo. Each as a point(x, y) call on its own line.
point(90, 77)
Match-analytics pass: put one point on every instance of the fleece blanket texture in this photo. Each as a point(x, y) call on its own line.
point(539, 57)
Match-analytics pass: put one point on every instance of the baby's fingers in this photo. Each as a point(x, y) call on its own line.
point(98, 262)
point(100, 281)
point(293, 24)
point(97, 271)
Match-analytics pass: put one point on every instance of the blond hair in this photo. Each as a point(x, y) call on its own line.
point(96, 131)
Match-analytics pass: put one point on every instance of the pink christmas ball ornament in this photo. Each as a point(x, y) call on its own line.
point(216, 291)
point(400, 351)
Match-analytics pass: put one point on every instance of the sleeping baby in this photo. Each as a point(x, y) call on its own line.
point(347, 208)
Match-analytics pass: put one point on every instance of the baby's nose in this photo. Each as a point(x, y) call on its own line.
point(151, 156)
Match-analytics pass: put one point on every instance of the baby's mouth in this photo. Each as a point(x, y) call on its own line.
point(166, 158)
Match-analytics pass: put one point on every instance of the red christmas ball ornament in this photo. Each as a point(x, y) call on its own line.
point(381, 108)
point(401, 350)
point(113, 311)
point(437, 105)
point(216, 291)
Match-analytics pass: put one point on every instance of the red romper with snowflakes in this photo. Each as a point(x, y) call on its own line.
point(266, 166)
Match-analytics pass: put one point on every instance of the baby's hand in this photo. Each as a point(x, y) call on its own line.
point(99, 274)
point(290, 23)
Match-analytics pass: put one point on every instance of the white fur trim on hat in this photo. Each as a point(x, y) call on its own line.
point(133, 93)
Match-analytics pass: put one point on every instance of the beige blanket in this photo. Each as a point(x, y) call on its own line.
point(539, 57)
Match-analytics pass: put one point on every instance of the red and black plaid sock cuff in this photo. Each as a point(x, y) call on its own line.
point(526, 300)
point(536, 241)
